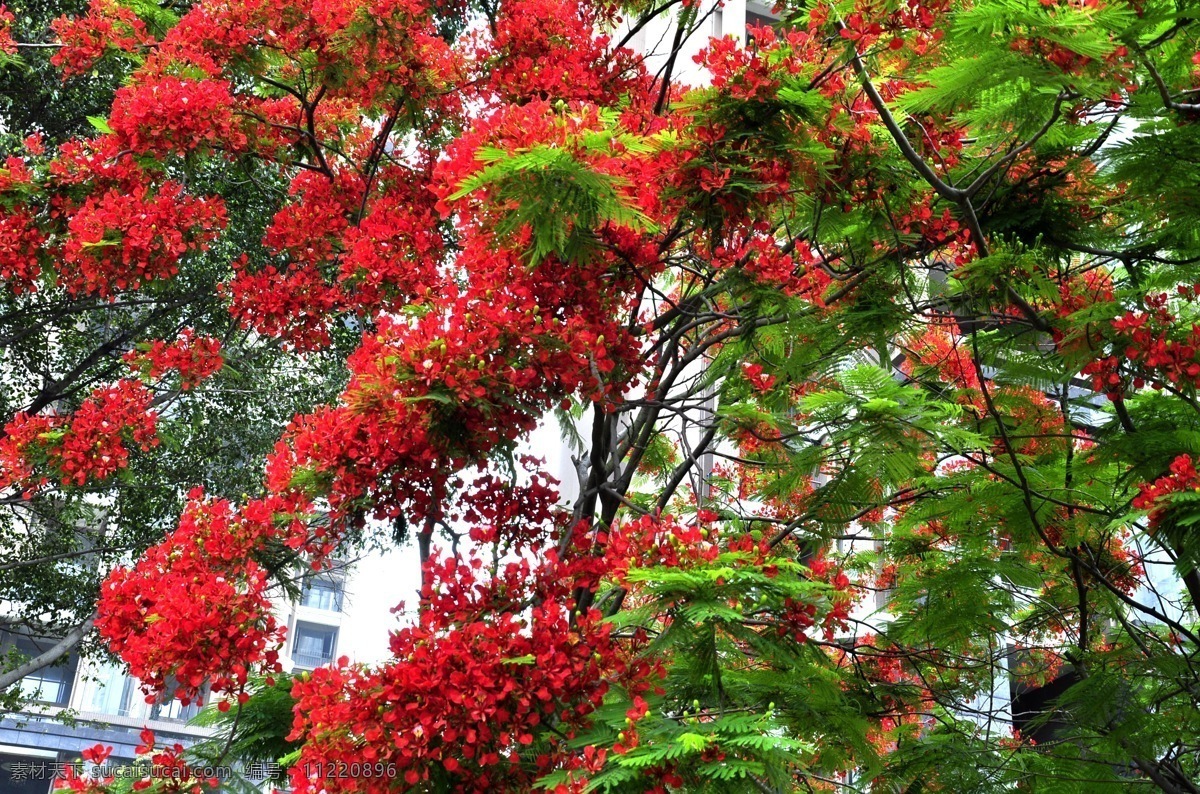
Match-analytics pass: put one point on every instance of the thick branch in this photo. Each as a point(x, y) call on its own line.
point(63, 646)
point(906, 148)
point(1164, 92)
point(66, 555)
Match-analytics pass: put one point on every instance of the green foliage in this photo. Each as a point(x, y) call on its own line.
point(559, 199)
point(254, 732)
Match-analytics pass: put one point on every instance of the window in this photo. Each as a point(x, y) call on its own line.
point(174, 711)
point(760, 15)
point(46, 686)
point(760, 20)
point(322, 593)
point(314, 645)
point(27, 774)
point(51, 684)
point(108, 689)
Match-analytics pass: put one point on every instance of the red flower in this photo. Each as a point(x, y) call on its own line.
point(20, 243)
point(166, 114)
point(193, 357)
point(120, 239)
point(194, 610)
point(8, 45)
point(88, 38)
point(97, 754)
point(91, 444)
point(1156, 496)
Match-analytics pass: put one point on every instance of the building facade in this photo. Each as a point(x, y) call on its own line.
point(83, 702)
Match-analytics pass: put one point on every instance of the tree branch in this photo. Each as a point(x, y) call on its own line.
point(65, 645)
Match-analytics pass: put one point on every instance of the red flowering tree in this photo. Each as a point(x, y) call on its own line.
point(877, 355)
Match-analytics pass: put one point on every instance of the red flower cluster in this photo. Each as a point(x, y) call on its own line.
point(96, 442)
point(753, 373)
point(171, 773)
point(842, 596)
point(936, 229)
point(796, 272)
point(650, 541)
point(97, 165)
point(167, 114)
point(295, 305)
point(20, 242)
point(796, 618)
point(121, 240)
point(1078, 292)
point(1149, 342)
point(194, 610)
point(1156, 496)
point(168, 771)
point(1154, 347)
point(516, 515)
point(426, 399)
point(914, 19)
point(194, 357)
point(717, 147)
point(88, 38)
point(8, 45)
point(1106, 376)
point(394, 252)
point(939, 348)
point(862, 32)
point(308, 229)
point(384, 51)
point(90, 444)
point(900, 709)
point(917, 20)
point(1120, 563)
point(390, 257)
point(548, 49)
point(491, 660)
point(24, 437)
point(476, 362)
point(72, 780)
point(751, 73)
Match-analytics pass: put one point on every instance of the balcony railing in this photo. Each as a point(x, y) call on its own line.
point(311, 660)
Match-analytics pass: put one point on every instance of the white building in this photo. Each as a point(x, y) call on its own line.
point(86, 702)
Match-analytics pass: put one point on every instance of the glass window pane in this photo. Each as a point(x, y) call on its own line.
point(50, 684)
point(103, 688)
point(323, 594)
point(314, 645)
